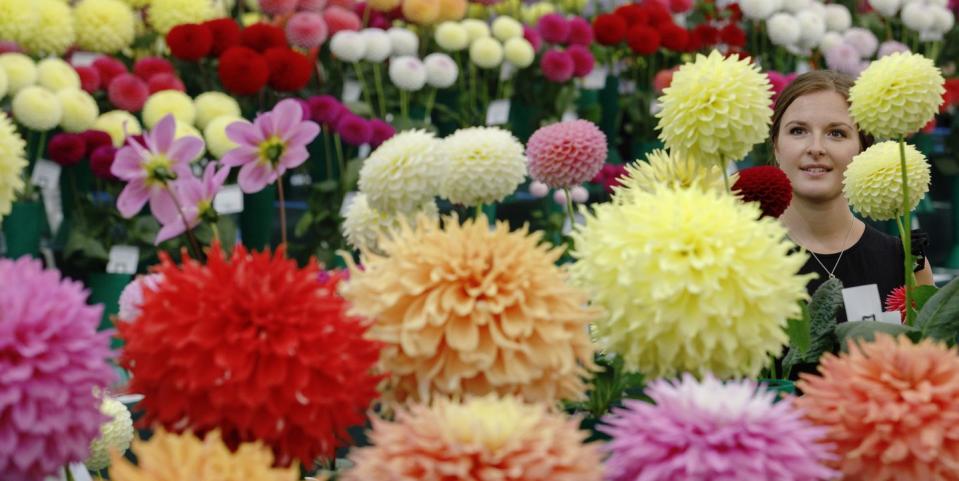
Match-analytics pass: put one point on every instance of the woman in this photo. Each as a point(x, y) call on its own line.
point(814, 139)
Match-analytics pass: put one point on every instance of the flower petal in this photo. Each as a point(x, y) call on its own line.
point(243, 133)
point(170, 231)
point(185, 149)
point(162, 205)
point(294, 157)
point(128, 165)
point(132, 198)
point(286, 115)
point(254, 177)
point(302, 134)
point(237, 157)
point(163, 134)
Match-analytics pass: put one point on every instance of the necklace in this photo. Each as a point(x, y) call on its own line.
point(843, 251)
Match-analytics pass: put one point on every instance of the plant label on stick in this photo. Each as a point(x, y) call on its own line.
point(229, 200)
point(862, 302)
point(123, 259)
point(498, 112)
point(351, 91)
point(596, 79)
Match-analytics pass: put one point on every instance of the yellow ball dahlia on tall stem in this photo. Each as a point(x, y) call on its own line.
point(891, 99)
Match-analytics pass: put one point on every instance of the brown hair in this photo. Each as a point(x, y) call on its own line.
point(810, 83)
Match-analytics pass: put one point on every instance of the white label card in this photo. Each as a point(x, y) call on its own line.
point(351, 91)
point(347, 200)
point(862, 302)
point(506, 71)
point(83, 59)
point(570, 115)
point(229, 200)
point(596, 79)
point(498, 112)
point(890, 317)
point(123, 259)
point(46, 174)
point(364, 151)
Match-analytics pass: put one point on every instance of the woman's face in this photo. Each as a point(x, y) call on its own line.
point(817, 140)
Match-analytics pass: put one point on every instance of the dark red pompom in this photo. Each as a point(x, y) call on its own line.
point(609, 29)
point(642, 39)
point(767, 185)
point(674, 37)
point(190, 41)
point(262, 36)
point(226, 34)
point(243, 71)
point(633, 14)
point(733, 36)
point(708, 34)
point(289, 71)
point(67, 149)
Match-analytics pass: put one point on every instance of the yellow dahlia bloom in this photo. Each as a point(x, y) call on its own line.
point(210, 105)
point(12, 162)
point(168, 102)
point(363, 226)
point(664, 170)
point(485, 164)
point(715, 109)
point(80, 111)
point(692, 281)
point(115, 435)
point(37, 108)
point(105, 26)
point(897, 95)
point(4, 83)
point(20, 70)
point(467, 309)
point(403, 173)
point(178, 457)
point(119, 124)
point(55, 74)
point(137, 3)
point(873, 181)
point(18, 19)
point(215, 135)
point(486, 438)
point(166, 14)
point(54, 32)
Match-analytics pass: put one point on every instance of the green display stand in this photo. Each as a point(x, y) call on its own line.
point(524, 119)
point(23, 228)
point(256, 220)
point(105, 288)
point(609, 121)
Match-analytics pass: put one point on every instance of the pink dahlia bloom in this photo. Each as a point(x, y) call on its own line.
point(714, 431)
point(566, 154)
point(554, 28)
point(149, 167)
point(274, 142)
point(195, 197)
point(52, 359)
point(306, 30)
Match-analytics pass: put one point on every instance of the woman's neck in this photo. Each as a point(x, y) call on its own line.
point(822, 227)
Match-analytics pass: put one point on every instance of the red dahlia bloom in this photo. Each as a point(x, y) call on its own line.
point(190, 41)
point(609, 29)
point(165, 81)
point(243, 71)
point(642, 40)
point(733, 36)
point(289, 71)
point(226, 34)
point(262, 36)
point(256, 347)
point(896, 301)
point(633, 14)
point(147, 67)
point(708, 33)
point(66, 149)
point(767, 185)
point(674, 37)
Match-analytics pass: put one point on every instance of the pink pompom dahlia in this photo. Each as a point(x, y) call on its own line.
point(566, 153)
point(52, 359)
point(713, 431)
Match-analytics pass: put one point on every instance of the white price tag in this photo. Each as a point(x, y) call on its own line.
point(890, 317)
point(83, 59)
point(567, 228)
point(862, 302)
point(301, 179)
point(46, 174)
point(351, 91)
point(229, 200)
point(364, 151)
point(498, 112)
point(123, 259)
point(347, 200)
point(596, 79)
point(570, 115)
point(506, 71)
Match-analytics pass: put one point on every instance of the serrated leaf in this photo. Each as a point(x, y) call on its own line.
point(866, 331)
point(823, 307)
point(800, 330)
point(921, 294)
point(939, 317)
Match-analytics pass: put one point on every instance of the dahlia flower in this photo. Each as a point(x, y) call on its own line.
point(506, 27)
point(18, 20)
point(151, 166)
point(21, 71)
point(482, 438)
point(52, 359)
point(119, 124)
point(407, 73)
point(166, 14)
point(131, 298)
point(485, 164)
point(766, 184)
point(274, 142)
point(566, 153)
point(306, 30)
point(519, 52)
point(363, 225)
point(115, 435)
point(896, 95)
point(53, 33)
point(195, 200)
point(711, 430)
point(715, 109)
point(441, 70)
point(105, 26)
point(891, 408)
point(168, 102)
point(210, 105)
point(896, 301)
point(217, 141)
point(403, 173)
point(37, 108)
point(692, 281)
point(79, 111)
point(253, 367)
point(172, 457)
point(451, 36)
point(873, 181)
point(486, 52)
point(403, 41)
point(467, 309)
point(663, 169)
point(12, 162)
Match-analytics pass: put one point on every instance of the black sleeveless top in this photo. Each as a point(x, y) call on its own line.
point(876, 258)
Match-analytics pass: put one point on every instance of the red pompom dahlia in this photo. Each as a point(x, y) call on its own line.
point(243, 71)
point(609, 29)
point(263, 36)
point(256, 347)
point(226, 34)
point(190, 41)
point(289, 70)
point(767, 185)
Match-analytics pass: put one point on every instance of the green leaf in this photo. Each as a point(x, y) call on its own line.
point(303, 224)
point(939, 317)
point(866, 330)
point(921, 295)
point(351, 174)
point(800, 330)
point(823, 307)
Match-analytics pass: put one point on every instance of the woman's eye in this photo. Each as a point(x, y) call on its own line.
point(797, 131)
point(837, 133)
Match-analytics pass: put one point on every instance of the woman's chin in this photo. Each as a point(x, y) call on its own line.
point(816, 194)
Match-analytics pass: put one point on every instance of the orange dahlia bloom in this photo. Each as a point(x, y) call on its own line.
point(486, 438)
point(892, 408)
point(466, 309)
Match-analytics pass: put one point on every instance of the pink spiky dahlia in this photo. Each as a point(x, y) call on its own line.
point(52, 359)
point(713, 431)
point(566, 153)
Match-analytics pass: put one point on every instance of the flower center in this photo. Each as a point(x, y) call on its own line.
point(271, 150)
point(159, 170)
point(204, 210)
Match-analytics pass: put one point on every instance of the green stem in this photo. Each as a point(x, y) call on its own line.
point(69, 473)
point(430, 100)
point(328, 153)
point(479, 210)
point(569, 207)
point(404, 106)
point(359, 76)
point(906, 233)
point(381, 96)
point(194, 245)
point(40, 143)
point(340, 161)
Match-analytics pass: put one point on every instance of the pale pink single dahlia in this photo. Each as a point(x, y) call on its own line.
point(567, 153)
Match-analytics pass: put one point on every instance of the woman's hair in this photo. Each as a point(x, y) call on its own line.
point(810, 83)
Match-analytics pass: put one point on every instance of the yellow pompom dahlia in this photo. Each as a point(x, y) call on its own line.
point(897, 95)
point(486, 438)
point(215, 135)
point(12, 162)
point(37, 108)
point(168, 102)
point(105, 26)
point(484, 165)
point(54, 32)
point(80, 110)
point(173, 457)
point(55, 74)
point(21, 71)
point(715, 109)
point(119, 124)
point(115, 435)
point(873, 181)
point(467, 309)
point(403, 173)
point(210, 105)
point(662, 169)
point(363, 225)
point(166, 14)
point(18, 20)
point(692, 281)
